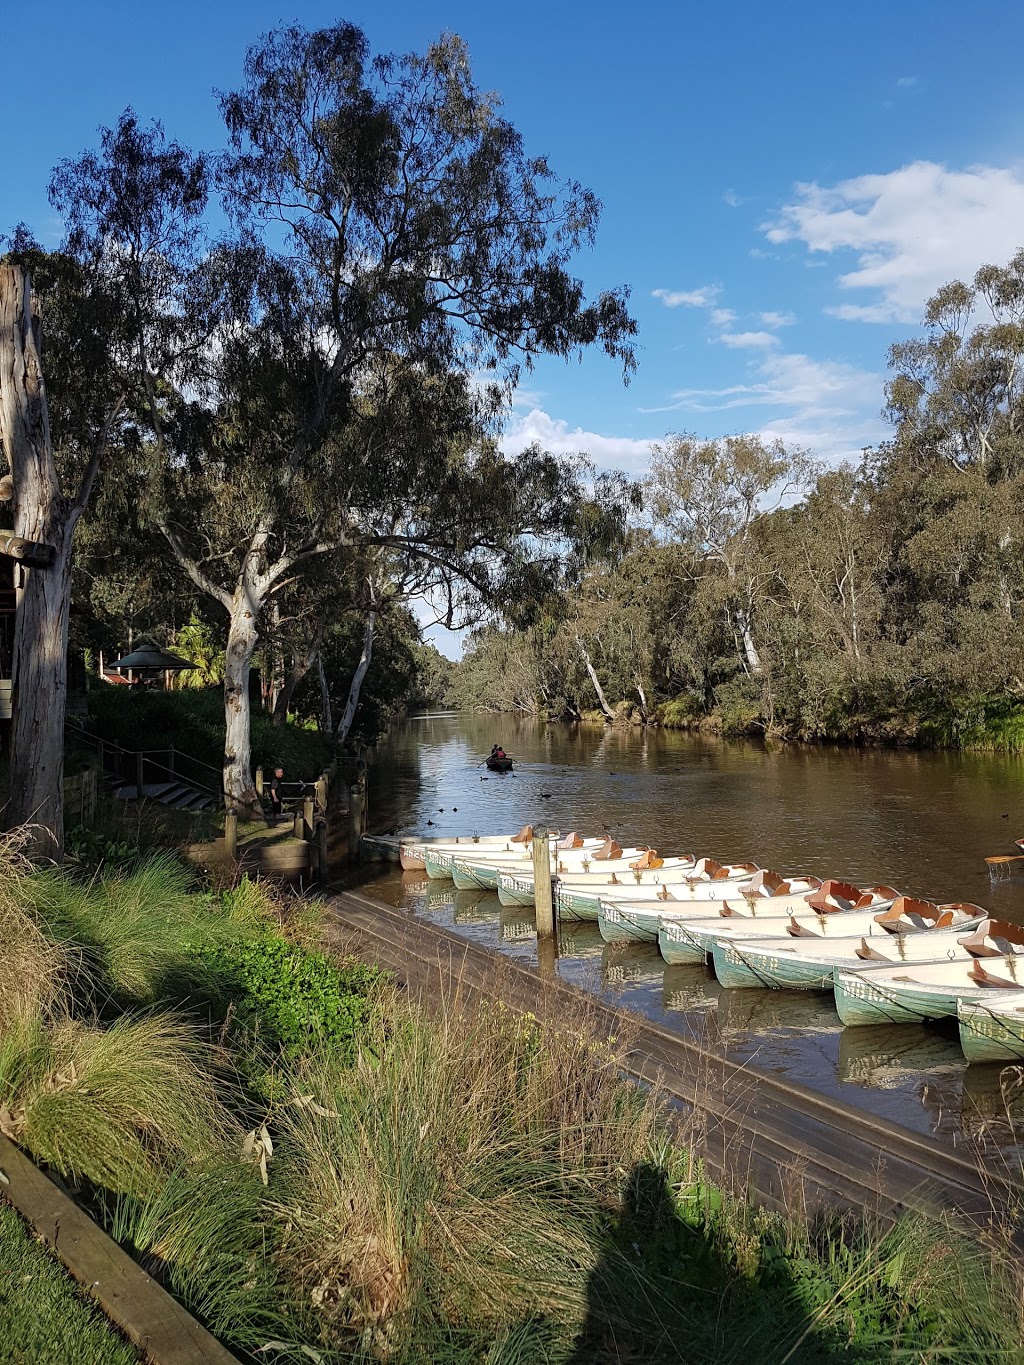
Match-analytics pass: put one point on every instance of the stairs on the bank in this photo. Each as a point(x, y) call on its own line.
point(177, 794)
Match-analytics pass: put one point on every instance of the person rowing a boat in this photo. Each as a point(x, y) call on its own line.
point(498, 752)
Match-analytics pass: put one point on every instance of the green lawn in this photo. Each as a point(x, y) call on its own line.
point(44, 1318)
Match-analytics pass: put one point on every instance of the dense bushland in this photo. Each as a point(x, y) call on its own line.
point(882, 602)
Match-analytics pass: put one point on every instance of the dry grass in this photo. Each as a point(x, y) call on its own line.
point(464, 1175)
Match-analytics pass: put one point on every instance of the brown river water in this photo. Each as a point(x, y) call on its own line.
point(922, 822)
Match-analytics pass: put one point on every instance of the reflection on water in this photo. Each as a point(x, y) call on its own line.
point(922, 822)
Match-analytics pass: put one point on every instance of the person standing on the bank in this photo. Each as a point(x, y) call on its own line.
point(276, 795)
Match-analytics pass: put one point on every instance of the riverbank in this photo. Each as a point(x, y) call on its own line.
point(264, 1106)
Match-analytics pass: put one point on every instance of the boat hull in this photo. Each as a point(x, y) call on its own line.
point(470, 876)
point(991, 1032)
point(737, 971)
point(677, 947)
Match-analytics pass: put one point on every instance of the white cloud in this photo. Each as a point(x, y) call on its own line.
point(687, 298)
point(912, 230)
point(827, 406)
point(906, 82)
point(751, 340)
point(771, 319)
point(554, 434)
point(721, 317)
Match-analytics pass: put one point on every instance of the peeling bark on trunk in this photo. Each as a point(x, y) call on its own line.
point(243, 636)
point(349, 714)
point(39, 689)
point(606, 710)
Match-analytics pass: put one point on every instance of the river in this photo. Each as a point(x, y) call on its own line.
point(920, 821)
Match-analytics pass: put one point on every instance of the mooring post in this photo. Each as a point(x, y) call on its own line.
point(321, 793)
point(299, 824)
point(259, 782)
point(320, 848)
point(356, 805)
point(307, 816)
point(542, 897)
point(231, 833)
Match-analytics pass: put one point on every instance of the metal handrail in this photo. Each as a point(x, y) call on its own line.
point(131, 753)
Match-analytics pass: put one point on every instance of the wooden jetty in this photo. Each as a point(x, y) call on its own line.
point(789, 1145)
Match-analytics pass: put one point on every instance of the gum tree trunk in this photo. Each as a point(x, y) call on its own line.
point(606, 710)
point(243, 636)
point(349, 714)
point(43, 594)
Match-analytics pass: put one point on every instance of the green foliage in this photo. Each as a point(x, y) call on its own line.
point(290, 997)
point(43, 1315)
point(193, 722)
point(90, 849)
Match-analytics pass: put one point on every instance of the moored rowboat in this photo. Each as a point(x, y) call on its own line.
point(483, 870)
point(992, 1029)
point(765, 894)
point(816, 921)
point(914, 992)
point(809, 964)
point(578, 897)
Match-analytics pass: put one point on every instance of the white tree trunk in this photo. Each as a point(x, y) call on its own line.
point(326, 719)
point(606, 710)
point(43, 594)
point(753, 659)
point(349, 714)
point(243, 635)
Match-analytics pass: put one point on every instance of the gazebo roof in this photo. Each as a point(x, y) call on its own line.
point(150, 656)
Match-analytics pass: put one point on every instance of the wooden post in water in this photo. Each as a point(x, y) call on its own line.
point(356, 806)
point(231, 833)
point(542, 897)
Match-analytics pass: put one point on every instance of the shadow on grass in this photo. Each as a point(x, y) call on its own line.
point(673, 1284)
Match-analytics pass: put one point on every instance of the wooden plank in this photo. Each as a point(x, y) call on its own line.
point(145, 1312)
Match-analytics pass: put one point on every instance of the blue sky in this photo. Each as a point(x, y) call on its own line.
point(783, 185)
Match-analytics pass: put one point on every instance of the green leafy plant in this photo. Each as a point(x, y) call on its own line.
point(291, 996)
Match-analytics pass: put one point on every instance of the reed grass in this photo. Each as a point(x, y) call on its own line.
point(463, 1176)
point(115, 1106)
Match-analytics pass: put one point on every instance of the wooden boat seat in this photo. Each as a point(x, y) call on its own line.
point(525, 835)
point(797, 930)
point(833, 895)
point(994, 938)
point(608, 850)
point(648, 859)
point(572, 840)
point(917, 911)
point(869, 954)
point(981, 977)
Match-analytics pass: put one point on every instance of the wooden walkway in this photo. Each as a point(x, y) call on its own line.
point(787, 1144)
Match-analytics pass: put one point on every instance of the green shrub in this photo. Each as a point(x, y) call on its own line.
point(290, 996)
point(193, 722)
